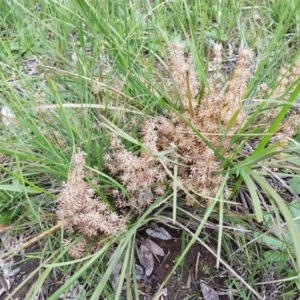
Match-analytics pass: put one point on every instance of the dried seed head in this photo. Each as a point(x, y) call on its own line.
point(79, 208)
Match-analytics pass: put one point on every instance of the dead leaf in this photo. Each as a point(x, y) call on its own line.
point(154, 248)
point(139, 272)
point(159, 233)
point(116, 275)
point(208, 292)
point(146, 259)
point(146, 251)
point(8, 272)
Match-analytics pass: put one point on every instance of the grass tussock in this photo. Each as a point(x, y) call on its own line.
point(122, 119)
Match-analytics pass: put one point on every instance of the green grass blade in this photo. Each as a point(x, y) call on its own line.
point(293, 230)
point(194, 237)
point(286, 17)
point(123, 271)
point(79, 273)
point(256, 157)
point(175, 190)
point(220, 229)
point(254, 197)
point(278, 120)
point(116, 257)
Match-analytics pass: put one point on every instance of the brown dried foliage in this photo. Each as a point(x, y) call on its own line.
point(197, 162)
point(289, 127)
point(219, 115)
point(81, 211)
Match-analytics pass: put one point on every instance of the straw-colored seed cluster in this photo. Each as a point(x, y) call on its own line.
point(81, 211)
point(197, 164)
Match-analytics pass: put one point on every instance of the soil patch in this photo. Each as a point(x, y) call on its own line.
point(199, 265)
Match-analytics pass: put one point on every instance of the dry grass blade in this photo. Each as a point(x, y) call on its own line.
point(33, 240)
point(86, 106)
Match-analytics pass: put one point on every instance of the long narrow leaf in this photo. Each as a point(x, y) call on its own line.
point(285, 212)
point(276, 123)
point(175, 181)
point(254, 197)
point(79, 273)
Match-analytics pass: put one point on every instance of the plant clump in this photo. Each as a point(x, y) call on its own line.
point(138, 173)
point(195, 139)
point(80, 210)
point(216, 118)
point(187, 148)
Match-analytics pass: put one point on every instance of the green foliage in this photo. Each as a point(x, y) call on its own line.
point(295, 184)
point(51, 55)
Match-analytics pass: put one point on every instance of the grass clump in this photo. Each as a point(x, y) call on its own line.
point(120, 117)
